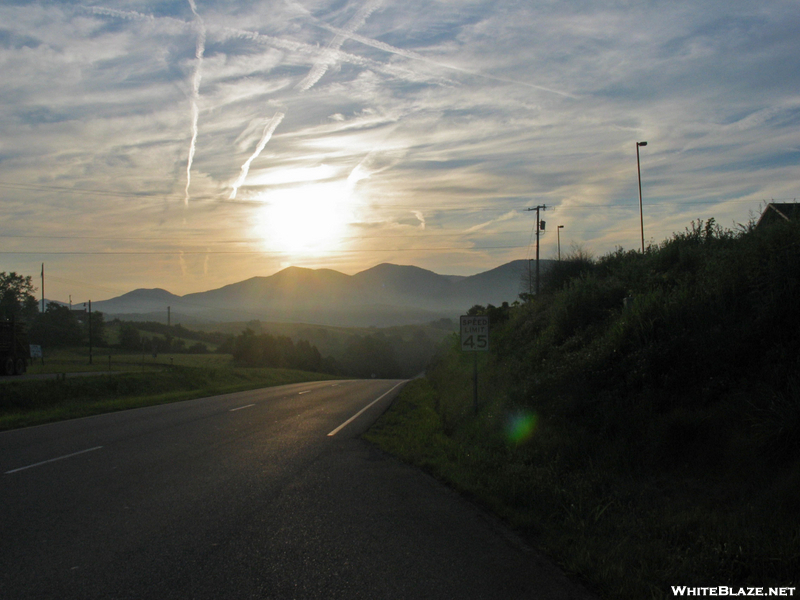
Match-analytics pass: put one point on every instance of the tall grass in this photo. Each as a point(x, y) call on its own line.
point(25, 403)
point(646, 443)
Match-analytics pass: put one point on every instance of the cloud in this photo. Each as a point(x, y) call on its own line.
point(329, 56)
point(198, 74)
point(119, 14)
point(451, 116)
point(269, 129)
point(420, 58)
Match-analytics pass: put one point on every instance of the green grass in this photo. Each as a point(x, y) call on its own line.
point(103, 359)
point(27, 403)
point(625, 537)
point(642, 445)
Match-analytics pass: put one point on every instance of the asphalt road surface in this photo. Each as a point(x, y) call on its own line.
point(246, 495)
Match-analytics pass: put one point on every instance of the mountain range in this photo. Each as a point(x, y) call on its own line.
point(382, 296)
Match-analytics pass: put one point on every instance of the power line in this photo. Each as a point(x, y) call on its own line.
point(85, 284)
point(667, 203)
point(255, 252)
point(55, 188)
point(245, 240)
point(279, 252)
point(456, 205)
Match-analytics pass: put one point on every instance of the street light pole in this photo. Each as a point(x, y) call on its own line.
point(558, 230)
point(639, 171)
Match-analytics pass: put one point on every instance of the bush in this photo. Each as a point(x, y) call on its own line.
point(676, 413)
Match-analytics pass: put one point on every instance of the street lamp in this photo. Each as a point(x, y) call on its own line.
point(639, 171)
point(558, 230)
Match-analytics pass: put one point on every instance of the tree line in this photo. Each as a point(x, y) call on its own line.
point(58, 325)
point(168, 338)
point(373, 354)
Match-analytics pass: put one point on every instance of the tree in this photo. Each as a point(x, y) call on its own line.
point(371, 356)
point(98, 328)
point(247, 349)
point(306, 356)
point(129, 337)
point(16, 297)
point(57, 326)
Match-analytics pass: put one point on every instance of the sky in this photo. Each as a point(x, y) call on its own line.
point(189, 144)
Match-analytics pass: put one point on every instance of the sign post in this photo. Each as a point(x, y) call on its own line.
point(36, 352)
point(474, 338)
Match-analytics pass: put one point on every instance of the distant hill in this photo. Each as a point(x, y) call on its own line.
point(382, 296)
point(143, 300)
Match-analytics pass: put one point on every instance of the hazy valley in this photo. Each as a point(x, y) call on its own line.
point(383, 296)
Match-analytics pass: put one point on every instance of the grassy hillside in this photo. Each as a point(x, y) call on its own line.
point(182, 377)
point(640, 418)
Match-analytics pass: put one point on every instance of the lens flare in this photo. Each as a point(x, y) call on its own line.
point(520, 426)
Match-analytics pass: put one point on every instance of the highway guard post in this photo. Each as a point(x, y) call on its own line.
point(475, 338)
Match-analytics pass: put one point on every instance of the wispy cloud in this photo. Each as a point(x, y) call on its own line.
point(119, 14)
point(269, 129)
point(437, 123)
point(198, 74)
point(319, 69)
point(328, 57)
point(346, 34)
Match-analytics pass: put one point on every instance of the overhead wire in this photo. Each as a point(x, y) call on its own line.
point(458, 205)
point(258, 252)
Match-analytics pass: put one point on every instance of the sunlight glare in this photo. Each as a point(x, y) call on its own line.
point(308, 219)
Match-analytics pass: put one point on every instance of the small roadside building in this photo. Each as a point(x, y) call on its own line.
point(779, 211)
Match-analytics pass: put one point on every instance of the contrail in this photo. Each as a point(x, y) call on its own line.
point(348, 34)
point(198, 73)
point(329, 56)
point(292, 46)
point(265, 137)
point(317, 71)
point(119, 14)
point(182, 263)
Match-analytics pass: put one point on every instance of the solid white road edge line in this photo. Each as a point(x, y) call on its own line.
point(44, 462)
point(241, 407)
point(358, 414)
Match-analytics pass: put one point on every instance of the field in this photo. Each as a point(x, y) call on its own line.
point(105, 359)
point(133, 378)
point(125, 381)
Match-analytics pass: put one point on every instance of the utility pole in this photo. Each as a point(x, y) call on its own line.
point(42, 288)
point(539, 227)
point(90, 332)
point(558, 230)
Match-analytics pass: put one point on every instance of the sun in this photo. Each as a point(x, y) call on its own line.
point(309, 219)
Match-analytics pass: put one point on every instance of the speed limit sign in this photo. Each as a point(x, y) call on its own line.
point(475, 334)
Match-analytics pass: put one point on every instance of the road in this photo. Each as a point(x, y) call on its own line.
point(246, 495)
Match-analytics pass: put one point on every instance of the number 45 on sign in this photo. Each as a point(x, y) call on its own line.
point(474, 334)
